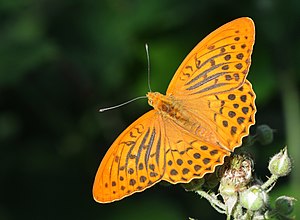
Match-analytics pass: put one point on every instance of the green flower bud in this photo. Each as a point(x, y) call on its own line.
point(264, 134)
point(253, 198)
point(249, 140)
point(194, 185)
point(235, 179)
point(284, 205)
point(211, 180)
point(227, 189)
point(280, 164)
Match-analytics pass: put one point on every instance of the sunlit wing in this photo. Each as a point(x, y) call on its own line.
point(225, 117)
point(193, 151)
point(134, 162)
point(188, 155)
point(219, 63)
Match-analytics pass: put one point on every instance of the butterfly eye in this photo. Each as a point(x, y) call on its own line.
point(164, 107)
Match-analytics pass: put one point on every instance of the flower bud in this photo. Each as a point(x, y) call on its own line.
point(239, 172)
point(253, 198)
point(280, 164)
point(264, 134)
point(236, 177)
point(284, 205)
point(211, 180)
point(227, 189)
point(194, 185)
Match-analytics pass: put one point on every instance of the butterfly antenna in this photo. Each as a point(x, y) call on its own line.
point(140, 97)
point(125, 103)
point(148, 60)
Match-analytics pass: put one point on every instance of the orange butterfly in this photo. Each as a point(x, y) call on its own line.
point(207, 110)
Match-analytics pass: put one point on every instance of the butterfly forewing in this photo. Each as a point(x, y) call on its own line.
point(219, 63)
point(134, 162)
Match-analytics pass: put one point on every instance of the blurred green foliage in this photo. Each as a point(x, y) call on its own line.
point(62, 60)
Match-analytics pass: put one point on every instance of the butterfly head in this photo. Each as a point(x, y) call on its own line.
point(155, 99)
point(161, 103)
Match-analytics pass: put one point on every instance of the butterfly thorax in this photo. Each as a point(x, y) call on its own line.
point(170, 107)
point(166, 105)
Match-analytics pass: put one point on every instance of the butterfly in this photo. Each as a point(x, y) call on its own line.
point(207, 110)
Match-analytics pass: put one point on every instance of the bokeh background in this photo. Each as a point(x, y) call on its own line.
point(61, 60)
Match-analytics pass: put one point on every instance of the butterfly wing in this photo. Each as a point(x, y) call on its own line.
point(232, 113)
point(193, 151)
point(219, 63)
point(188, 155)
point(211, 83)
point(134, 162)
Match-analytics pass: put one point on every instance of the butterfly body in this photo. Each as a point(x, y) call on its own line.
point(207, 110)
point(170, 108)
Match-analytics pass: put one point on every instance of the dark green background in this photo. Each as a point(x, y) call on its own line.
point(61, 60)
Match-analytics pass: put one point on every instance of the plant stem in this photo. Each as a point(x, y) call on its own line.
point(219, 206)
point(268, 185)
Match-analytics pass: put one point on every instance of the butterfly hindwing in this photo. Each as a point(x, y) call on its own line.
point(232, 113)
point(189, 156)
